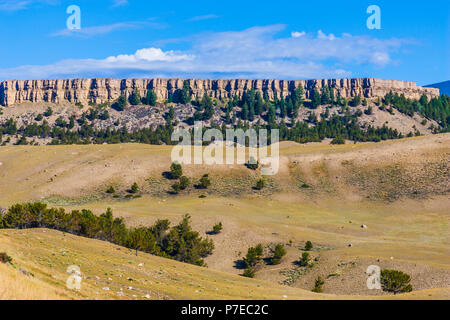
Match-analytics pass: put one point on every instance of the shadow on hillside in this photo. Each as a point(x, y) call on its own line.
point(239, 264)
point(167, 175)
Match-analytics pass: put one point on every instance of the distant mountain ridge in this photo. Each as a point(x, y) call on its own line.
point(444, 87)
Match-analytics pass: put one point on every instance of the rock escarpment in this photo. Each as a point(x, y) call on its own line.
point(107, 90)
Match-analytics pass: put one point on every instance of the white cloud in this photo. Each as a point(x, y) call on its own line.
point(149, 55)
point(252, 53)
point(323, 36)
point(86, 32)
point(16, 5)
point(297, 34)
point(119, 3)
point(204, 17)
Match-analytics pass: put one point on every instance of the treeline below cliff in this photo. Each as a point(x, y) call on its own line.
point(299, 120)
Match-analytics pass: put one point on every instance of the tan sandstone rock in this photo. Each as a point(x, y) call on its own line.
point(107, 90)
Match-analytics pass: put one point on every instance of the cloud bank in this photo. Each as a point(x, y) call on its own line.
point(88, 32)
point(258, 52)
point(16, 5)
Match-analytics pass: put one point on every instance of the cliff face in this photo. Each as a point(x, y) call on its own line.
point(107, 90)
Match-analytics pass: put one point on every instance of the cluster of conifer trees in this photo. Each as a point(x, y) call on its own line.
point(252, 110)
point(437, 108)
point(179, 242)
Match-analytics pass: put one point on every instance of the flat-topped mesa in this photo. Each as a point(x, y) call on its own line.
point(107, 90)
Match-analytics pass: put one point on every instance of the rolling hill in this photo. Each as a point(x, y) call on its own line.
point(322, 193)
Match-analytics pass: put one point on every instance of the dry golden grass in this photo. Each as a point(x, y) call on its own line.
point(16, 286)
point(399, 189)
point(48, 253)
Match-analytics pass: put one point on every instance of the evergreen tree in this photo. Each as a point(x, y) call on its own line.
point(259, 104)
point(251, 113)
point(315, 99)
point(282, 106)
point(332, 97)
point(277, 254)
point(308, 246)
point(318, 285)
point(184, 182)
point(244, 112)
point(289, 107)
point(304, 261)
point(217, 228)
point(299, 96)
point(356, 101)
point(151, 98)
point(134, 98)
point(208, 107)
point(325, 96)
point(120, 104)
point(395, 281)
point(176, 171)
point(204, 182)
point(134, 188)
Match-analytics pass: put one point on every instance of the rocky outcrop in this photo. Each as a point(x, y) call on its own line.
point(106, 90)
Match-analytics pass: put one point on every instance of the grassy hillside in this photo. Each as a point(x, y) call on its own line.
point(371, 170)
point(111, 272)
point(47, 254)
point(322, 193)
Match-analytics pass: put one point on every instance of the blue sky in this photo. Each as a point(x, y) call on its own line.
point(226, 39)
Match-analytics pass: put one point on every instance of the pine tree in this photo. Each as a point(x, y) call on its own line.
point(395, 281)
point(299, 96)
point(176, 171)
point(134, 98)
point(278, 253)
point(282, 107)
point(332, 97)
point(259, 105)
point(244, 112)
point(325, 96)
point(207, 107)
point(151, 98)
point(290, 108)
point(134, 188)
point(315, 100)
point(120, 104)
point(251, 113)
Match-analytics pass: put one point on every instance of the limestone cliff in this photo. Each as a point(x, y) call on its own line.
point(106, 90)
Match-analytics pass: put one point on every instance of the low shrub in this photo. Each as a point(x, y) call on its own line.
point(249, 272)
point(338, 140)
point(304, 260)
point(111, 190)
point(4, 258)
point(217, 228)
point(176, 188)
point(260, 184)
point(204, 182)
point(395, 281)
point(253, 256)
point(176, 171)
point(277, 254)
point(134, 188)
point(318, 285)
point(184, 182)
